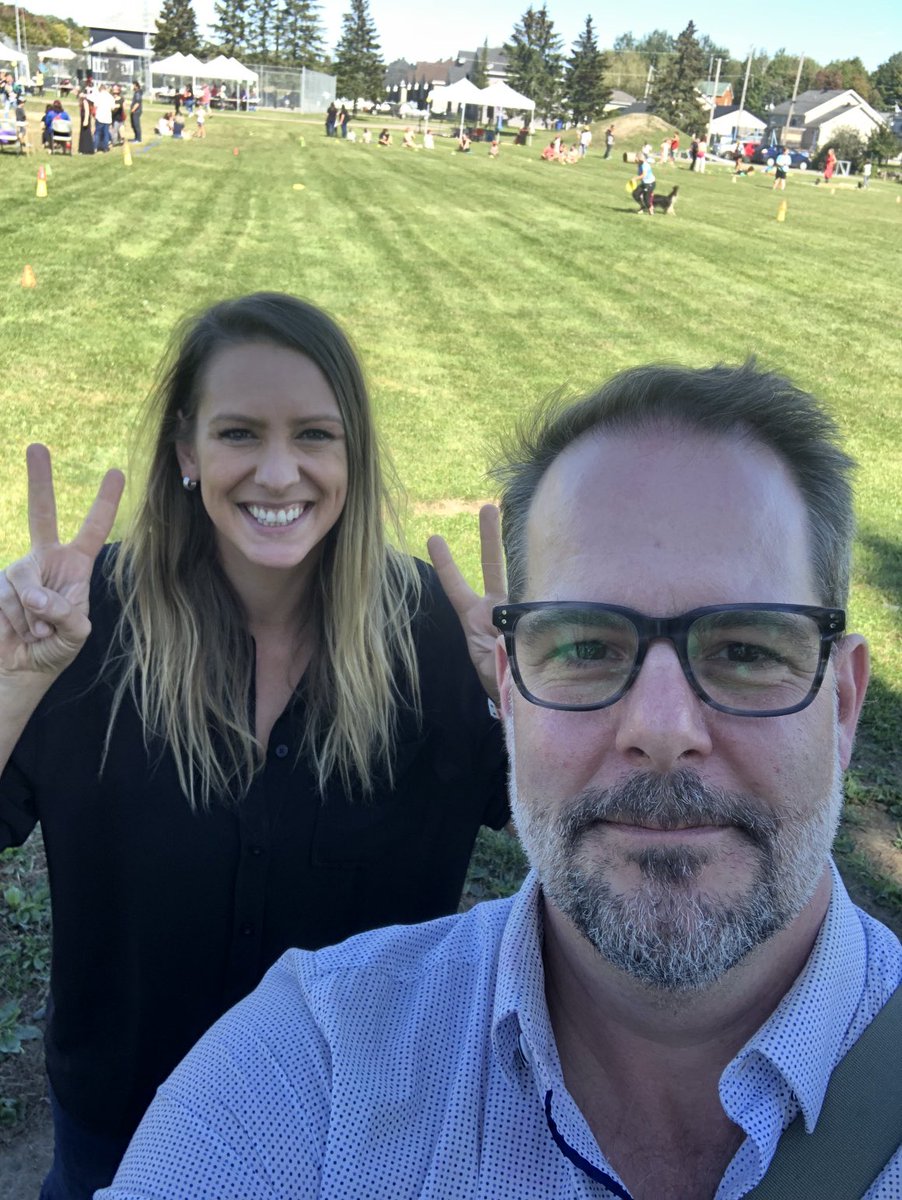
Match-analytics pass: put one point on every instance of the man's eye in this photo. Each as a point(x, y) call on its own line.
point(584, 651)
point(748, 653)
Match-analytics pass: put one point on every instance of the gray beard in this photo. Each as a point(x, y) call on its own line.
point(667, 933)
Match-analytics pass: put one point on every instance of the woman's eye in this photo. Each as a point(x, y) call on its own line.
point(316, 435)
point(235, 435)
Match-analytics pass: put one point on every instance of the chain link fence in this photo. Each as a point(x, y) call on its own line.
point(293, 88)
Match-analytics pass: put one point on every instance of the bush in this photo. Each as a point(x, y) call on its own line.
point(883, 145)
point(847, 144)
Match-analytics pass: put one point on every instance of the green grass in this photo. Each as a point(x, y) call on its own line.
point(471, 288)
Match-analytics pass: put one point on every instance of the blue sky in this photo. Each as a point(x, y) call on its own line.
point(831, 29)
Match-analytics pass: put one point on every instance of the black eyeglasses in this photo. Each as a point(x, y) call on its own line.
point(751, 660)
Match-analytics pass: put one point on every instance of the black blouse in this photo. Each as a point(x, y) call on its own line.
point(163, 917)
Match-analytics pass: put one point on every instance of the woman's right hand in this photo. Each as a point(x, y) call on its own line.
point(44, 596)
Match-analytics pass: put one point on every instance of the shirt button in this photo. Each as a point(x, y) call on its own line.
point(281, 750)
point(247, 930)
point(256, 851)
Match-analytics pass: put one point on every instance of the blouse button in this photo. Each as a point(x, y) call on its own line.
point(281, 750)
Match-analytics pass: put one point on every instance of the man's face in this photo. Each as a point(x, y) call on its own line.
point(675, 837)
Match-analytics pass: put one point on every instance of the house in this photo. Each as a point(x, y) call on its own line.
point(716, 96)
point(118, 55)
point(731, 123)
point(408, 81)
point(817, 115)
point(619, 100)
point(464, 63)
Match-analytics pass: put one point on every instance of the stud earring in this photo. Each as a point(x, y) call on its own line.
point(188, 483)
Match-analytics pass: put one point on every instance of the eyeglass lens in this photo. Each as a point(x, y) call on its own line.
point(751, 660)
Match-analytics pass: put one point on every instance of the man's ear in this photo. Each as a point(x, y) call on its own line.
point(852, 670)
point(503, 676)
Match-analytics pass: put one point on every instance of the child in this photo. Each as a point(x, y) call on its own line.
point(428, 140)
point(384, 138)
point(178, 127)
point(21, 122)
point(493, 149)
point(201, 118)
point(367, 137)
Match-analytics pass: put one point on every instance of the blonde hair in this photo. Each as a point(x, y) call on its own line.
point(182, 649)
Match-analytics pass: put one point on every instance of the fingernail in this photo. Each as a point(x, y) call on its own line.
point(35, 598)
point(41, 629)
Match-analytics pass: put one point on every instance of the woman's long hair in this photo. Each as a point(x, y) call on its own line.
point(183, 650)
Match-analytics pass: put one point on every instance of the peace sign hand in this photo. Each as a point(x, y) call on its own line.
point(475, 611)
point(44, 596)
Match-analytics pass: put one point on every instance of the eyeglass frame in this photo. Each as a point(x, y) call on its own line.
point(831, 623)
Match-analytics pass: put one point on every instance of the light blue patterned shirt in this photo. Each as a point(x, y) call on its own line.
point(420, 1063)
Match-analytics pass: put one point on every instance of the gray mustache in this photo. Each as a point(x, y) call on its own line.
point(668, 801)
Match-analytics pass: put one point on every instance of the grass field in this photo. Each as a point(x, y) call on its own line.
point(471, 287)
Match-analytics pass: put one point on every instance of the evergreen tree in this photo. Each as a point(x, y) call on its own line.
point(176, 29)
point(535, 61)
point(674, 94)
point(358, 57)
point(300, 34)
point(479, 72)
point(262, 19)
point(585, 89)
point(887, 80)
point(231, 26)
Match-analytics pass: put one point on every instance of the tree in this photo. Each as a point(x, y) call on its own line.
point(263, 18)
point(479, 72)
point(300, 35)
point(358, 56)
point(585, 89)
point(845, 73)
point(176, 29)
point(847, 143)
point(534, 61)
point(883, 144)
point(887, 80)
point(231, 26)
point(772, 80)
point(674, 93)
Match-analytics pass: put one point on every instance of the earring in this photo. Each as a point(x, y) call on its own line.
point(188, 483)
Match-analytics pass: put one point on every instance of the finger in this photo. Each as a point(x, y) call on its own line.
point(12, 609)
point(42, 525)
point(494, 576)
point(450, 576)
point(98, 523)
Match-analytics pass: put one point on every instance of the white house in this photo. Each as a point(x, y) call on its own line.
point(818, 115)
point(732, 123)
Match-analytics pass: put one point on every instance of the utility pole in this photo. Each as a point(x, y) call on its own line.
point(648, 79)
point(713, 101)
point(795, 92)
point(745, 82)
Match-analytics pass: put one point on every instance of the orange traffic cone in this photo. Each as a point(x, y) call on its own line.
point(41, 190)
point(28, 279)
point(126, 154)
point(781, 211)
point(235, 151)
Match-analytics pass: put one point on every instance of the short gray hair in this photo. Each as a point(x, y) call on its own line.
point(722, 401)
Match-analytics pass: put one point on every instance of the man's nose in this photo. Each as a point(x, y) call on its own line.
point(663, 724)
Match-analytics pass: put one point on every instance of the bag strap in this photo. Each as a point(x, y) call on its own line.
point(859, 1127)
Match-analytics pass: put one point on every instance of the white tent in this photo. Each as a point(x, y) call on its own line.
point(174, 64)
point(458, 95)
point(8, 54)
point(226, 68)
point(501, 95)
point(58, 54)
point(116, 46)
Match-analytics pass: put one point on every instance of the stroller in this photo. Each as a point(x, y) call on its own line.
point(9, 137)
point(61, 135)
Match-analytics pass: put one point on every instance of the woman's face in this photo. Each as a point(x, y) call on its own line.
point(270, 456)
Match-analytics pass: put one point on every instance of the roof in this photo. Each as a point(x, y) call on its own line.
point(708, 87)
point(805, 101)
point(618, 96)
point(834, 113)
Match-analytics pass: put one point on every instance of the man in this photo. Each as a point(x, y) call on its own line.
point(137, 106)
point(103, 118)
point(682, 970)
point(608, 141)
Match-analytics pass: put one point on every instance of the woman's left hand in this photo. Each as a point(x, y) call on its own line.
point(475, 611)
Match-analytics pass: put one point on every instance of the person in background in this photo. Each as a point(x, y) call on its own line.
point(200, 117)
point(384, 138)
point(272, 730)
point(782, 163)
point(608, 141)
point(86, 143)
point(428, 140)
point(135, 109)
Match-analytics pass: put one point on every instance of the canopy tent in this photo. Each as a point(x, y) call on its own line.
point(57, 54)
point(501, 95)
point(174, 64)
point(9, 54)
point(458, 94)
point(116, 46)
point(226, 68)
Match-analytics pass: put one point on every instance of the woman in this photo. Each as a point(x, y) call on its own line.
point(86, 131)
point(829, 165)
point(267, 733)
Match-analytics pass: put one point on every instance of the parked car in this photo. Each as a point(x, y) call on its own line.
point(766, 155)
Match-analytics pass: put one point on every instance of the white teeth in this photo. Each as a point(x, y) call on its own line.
point(275, 516)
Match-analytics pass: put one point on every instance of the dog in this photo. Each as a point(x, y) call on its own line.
point(666, 204)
